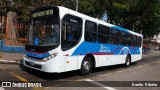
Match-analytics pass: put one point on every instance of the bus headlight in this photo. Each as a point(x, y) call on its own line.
point(50, 57)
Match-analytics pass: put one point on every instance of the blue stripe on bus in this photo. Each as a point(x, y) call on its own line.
point(37, 55)
point(101, 49)
point(121, 29)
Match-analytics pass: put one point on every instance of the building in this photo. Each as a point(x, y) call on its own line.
point(156, 41)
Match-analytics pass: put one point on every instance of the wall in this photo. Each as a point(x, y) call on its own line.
point(11, 49)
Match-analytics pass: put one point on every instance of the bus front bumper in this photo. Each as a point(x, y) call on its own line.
point(48, 66)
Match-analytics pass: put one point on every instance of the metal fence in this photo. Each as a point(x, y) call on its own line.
point(12, 32)
point(16, 34)
point(1, 27)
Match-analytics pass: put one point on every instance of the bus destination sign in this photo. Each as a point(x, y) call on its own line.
point(43, 13)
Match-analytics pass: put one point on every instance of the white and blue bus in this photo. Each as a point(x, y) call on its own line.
point(62, 40)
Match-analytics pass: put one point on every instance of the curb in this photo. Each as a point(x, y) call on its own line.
point(11, 61)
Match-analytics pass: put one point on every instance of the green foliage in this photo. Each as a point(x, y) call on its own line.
point(140, 15)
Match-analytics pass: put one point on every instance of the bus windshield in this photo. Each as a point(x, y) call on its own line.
point(44, 32)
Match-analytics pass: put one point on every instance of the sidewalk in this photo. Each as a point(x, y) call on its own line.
point(151, 53)
point(11, 58)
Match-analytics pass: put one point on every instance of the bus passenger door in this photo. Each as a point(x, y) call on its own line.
point(70, 36)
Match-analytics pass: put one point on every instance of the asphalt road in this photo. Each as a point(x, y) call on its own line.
point(115, 77)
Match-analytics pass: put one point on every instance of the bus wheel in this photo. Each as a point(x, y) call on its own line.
point(86, 66)
point(128, 61)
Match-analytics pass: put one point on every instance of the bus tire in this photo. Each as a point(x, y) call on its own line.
point(86, 66)
point(128, 61)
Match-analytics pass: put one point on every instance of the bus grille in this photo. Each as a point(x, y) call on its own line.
point(33, 58)
point(35, 65)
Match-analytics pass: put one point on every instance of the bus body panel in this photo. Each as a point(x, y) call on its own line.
point(71, 63)
point(56, 64)
point(104, 54)
point(50, 66)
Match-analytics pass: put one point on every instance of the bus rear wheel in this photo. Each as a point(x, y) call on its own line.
point(128, 61)
point(86, 66)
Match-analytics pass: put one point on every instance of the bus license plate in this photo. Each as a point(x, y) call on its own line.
point(32, 64)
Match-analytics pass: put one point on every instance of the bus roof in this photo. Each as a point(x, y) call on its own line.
point(97, 20)
point(83, 16)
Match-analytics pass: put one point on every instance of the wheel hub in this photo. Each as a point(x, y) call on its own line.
point(86, 66)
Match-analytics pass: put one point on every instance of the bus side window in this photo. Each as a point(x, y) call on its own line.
point(115, 33)
point(69, 34)
point(121, 41)
point(71, 31)
point(64, 31)
point(90, 31)
point(134, 40)
point(139, 41)
point(123, 37)
point(103, 34)
point(111, 40)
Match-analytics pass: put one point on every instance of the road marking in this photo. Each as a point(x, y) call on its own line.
point(99, 84)
point(19, 77)
point(107, 74)
point(87, 79)
point(24, 80)
point(2, 88)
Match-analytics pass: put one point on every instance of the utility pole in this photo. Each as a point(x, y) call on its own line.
point(77, 5)
point(133, 27)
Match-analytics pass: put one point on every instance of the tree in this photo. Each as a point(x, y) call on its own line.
point(5, 6)
point(24, 7)
point(138, 15)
